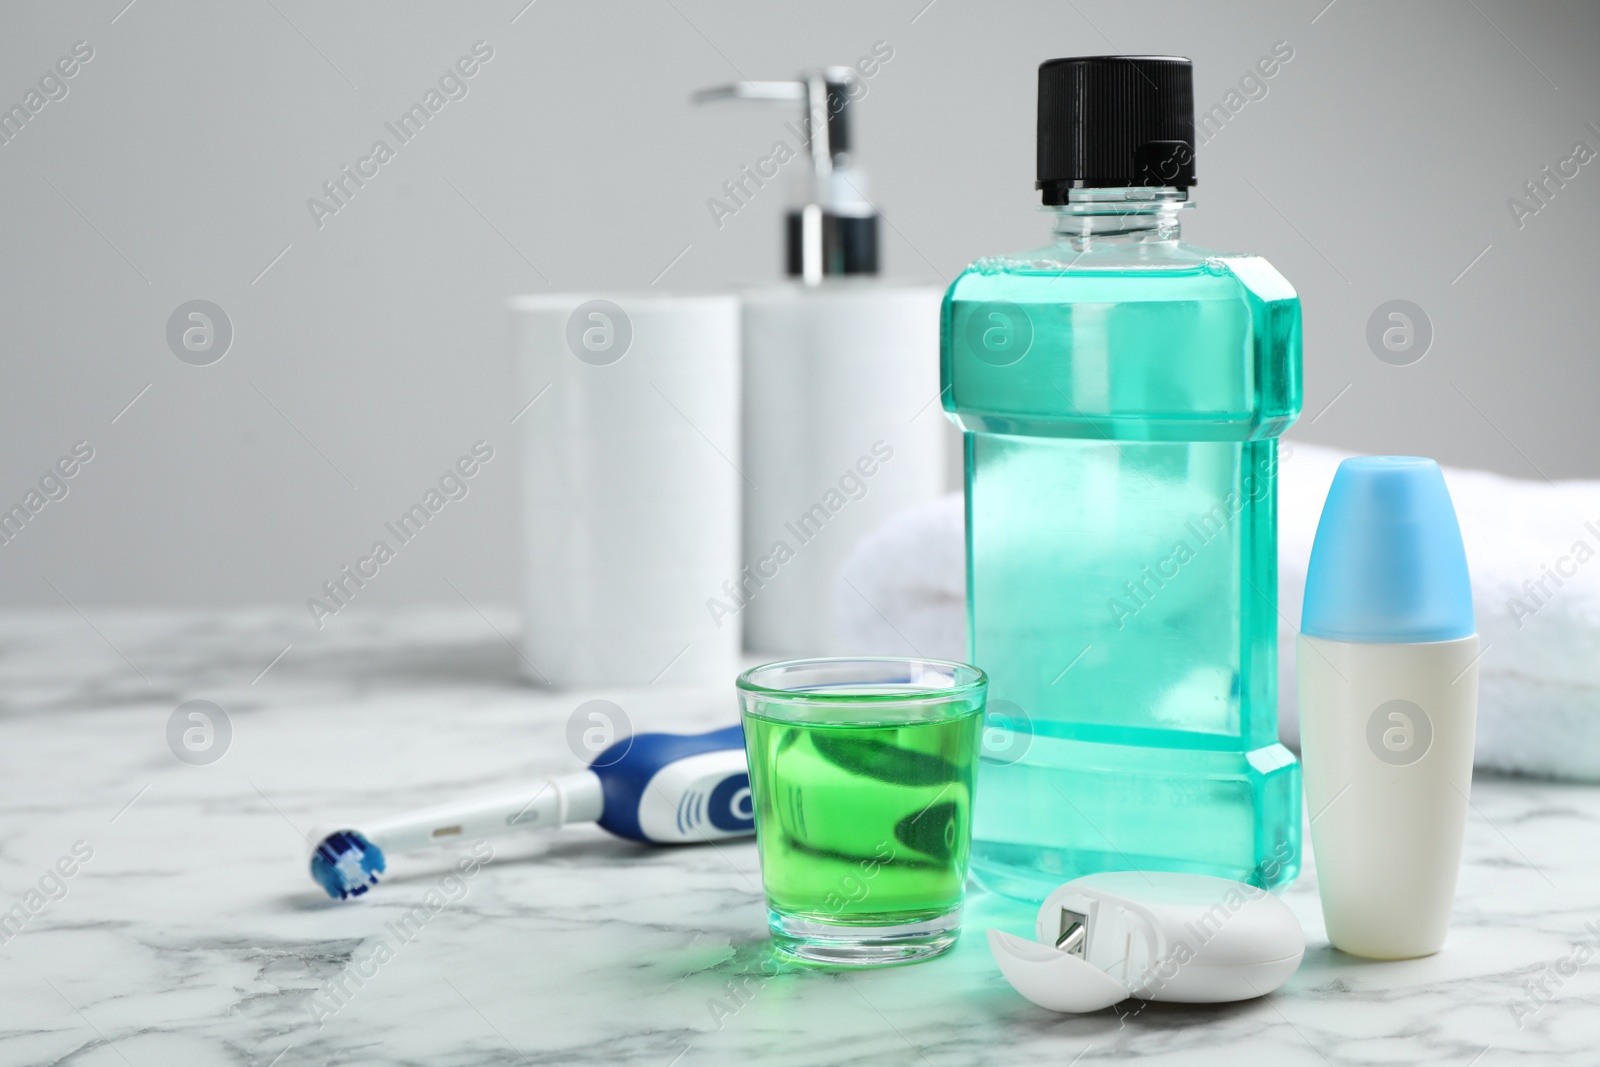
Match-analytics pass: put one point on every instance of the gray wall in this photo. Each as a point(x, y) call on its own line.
point(368, 357)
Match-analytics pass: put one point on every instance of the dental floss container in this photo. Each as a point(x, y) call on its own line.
point(842, 428)
point(1153, 935)
point(1388, 681)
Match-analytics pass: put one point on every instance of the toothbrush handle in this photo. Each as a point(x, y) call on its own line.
point(677, 789)
point(551, 804)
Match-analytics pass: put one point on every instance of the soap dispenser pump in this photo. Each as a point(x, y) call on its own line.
point(836, 231)
point(841, 371)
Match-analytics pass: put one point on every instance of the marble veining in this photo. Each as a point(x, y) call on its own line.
point(192, 934)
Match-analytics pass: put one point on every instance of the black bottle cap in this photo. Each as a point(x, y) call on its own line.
point(1115, 121)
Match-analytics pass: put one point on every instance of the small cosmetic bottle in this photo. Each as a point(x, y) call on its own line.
point(1388, 677)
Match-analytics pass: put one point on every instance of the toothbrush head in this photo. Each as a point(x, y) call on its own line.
point(346, 864)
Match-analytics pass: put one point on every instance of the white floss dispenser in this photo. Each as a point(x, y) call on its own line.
point(1152, 935)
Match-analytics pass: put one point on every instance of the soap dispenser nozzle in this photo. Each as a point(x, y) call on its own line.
point(836, 230)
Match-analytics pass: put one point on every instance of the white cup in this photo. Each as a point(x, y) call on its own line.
point(630, 486)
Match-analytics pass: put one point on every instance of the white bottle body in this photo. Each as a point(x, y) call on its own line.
point(842, 430)
point(1387, 733)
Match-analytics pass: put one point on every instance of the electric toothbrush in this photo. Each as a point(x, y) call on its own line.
point(664, 789)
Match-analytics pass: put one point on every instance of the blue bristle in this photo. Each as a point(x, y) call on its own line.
point(346, 864)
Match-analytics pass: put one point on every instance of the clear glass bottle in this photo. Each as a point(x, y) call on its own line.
point(1121, 394)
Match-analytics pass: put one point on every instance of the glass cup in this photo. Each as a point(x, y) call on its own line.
point(863, 772)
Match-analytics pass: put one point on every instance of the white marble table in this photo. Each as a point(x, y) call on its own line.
point(192, 934)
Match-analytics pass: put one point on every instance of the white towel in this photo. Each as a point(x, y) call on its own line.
point(1534, 551)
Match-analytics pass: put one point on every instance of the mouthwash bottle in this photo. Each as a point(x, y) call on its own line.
point(1122, 394)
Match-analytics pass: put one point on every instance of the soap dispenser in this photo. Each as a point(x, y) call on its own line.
point(841, 425)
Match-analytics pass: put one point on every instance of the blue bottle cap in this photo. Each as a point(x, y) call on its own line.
point(1388, 564)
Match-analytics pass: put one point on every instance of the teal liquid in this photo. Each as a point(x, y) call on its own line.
point(1122, 411)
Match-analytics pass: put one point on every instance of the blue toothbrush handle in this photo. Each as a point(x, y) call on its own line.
point(672, 789)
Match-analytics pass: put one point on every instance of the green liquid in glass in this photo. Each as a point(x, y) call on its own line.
point(864, 824)
point(1122, 409)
